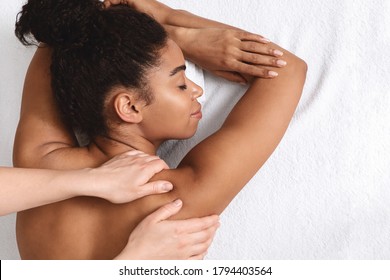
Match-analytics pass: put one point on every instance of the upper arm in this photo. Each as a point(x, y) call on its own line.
point(40, 130)
point(220, 166)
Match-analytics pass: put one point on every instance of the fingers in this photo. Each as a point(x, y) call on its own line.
point(255, 70)
point(203, 236)
point(198, 257)
point(153, 163)
point(262, 59)
point(250, 43)
point(253, 53)
point(165, 212)
point(155, 187)
point(247, 36)
point(108, 3)
point(198, 224)
point(256, 48)
point(199, 250)
point(250, 53)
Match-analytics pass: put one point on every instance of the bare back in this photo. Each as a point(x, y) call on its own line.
point(206, 180)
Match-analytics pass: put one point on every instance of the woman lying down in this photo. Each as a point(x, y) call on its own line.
point(124, 85)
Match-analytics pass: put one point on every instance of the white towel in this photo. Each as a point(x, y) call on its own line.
point(325, 192)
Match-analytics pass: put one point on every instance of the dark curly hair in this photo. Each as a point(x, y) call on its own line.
point(94, 50)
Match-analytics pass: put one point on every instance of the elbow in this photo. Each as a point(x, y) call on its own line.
point(303, 66)
point(297, 70)
point(22, 157)
point(302, 69)
point(298, 66)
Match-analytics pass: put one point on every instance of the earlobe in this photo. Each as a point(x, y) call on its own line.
point(128, 108)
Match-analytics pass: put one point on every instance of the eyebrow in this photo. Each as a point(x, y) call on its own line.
point(177, 69)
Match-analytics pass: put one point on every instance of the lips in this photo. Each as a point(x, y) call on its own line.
point(197, 114)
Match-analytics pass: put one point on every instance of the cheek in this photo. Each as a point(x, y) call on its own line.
point(178, 111)
point(170, 108)
point(174, 116)
point(176, 103)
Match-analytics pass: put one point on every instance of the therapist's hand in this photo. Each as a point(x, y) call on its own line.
point(230, 53)
point(125, 178)
point(158, 238)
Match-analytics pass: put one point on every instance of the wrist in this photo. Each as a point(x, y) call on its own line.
point(67, 183)
point(81, 182)
point(128, 253)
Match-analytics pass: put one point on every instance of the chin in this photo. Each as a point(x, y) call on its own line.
point(186, 135)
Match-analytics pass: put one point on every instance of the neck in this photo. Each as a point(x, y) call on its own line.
point(111, 146)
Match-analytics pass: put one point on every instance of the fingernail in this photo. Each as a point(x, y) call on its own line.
point(281, 62)
point(167, 187)
point(278, 53)
point(272, 74)
point(265, 40)
point(177, 202)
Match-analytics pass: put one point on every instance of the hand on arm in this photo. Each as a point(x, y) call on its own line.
point(229, 53)
point(122, 179)
point(157, 238)
point(224, 50)
point(166, 15)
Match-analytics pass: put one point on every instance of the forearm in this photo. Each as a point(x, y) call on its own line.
point(168, 16)
point(22, 189)
point(186, 19)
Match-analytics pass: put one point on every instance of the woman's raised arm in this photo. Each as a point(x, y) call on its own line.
point(167, 16)
point(224, 50)
point(215, 170)
point(41, 129)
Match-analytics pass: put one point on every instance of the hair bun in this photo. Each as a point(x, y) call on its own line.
point(58, 23)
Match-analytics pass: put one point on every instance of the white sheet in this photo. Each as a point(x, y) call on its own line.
point(325, 192)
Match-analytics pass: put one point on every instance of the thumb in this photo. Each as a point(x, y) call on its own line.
point(155, 187)
point(166, 211)
point(107, 3)
point(231, 76)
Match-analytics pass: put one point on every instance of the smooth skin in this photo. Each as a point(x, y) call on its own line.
point(206, 180)
point(122, 179)
point(158, 238)
point(256, 124)
point(221, 49)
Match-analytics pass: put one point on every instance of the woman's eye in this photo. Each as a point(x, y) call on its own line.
point(183, 87)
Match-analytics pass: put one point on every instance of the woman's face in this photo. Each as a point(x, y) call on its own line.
point(175, 112)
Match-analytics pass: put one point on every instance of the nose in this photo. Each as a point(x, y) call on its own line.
point(196, 90)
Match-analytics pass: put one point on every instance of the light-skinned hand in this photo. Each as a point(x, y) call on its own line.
point(158, 238)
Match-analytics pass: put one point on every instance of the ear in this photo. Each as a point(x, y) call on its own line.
point(128, 107)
